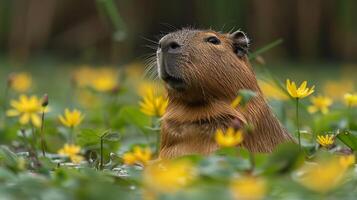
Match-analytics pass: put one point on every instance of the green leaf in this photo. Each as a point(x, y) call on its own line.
point(265, 48)
point(88, 137)
point(246, 95)
point(285, 158)
point(349, 138)
point(7, 156)
point(113, 137)
point(131, 115)
point(227, 151)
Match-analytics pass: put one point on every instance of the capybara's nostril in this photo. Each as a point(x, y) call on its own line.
point(174, 45)
point(169, 46)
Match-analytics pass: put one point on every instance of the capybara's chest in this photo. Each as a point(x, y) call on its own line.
point(188, 138)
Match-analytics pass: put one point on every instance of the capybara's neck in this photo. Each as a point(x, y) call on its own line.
point(182, 112)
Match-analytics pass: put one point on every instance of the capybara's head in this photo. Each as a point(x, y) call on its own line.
point(200, 65)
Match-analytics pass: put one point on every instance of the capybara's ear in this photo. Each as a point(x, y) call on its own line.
point(240, 43)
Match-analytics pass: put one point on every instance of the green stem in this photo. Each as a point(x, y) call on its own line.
point(158, 139)
point(34, 137)
point(101, 153)
point(71, 135)
point(30, 148)
point(43, 142)
point(27, 143)
point(6, 91)
point(109, 8)
point(158, 136)
point(101, 164)
point(297, 122)
point(349, 116)
point(106, 107)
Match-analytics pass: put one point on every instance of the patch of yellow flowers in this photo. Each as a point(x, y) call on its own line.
point(139, 155)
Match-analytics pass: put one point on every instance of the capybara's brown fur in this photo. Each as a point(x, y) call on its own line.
point(203, 72)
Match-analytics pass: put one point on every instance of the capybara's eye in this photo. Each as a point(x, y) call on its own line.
point(213, 40)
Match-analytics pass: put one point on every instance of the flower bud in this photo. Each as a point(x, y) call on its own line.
point(45, 100)
point(10, 79)
point(237, 124)
point(115, 90)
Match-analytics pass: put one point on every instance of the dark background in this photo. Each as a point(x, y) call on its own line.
point(118, 31)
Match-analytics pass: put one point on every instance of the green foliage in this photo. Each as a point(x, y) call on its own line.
point(246, 95)
point(349, 138)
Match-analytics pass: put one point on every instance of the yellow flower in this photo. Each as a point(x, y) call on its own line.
point(88, 99)
point(146, 86)
point(71, 118)
point(272, 91)
point(325, 140)
point(300, 92)
point(169, 176)
point(27, 108)
point(101, 79)
point(350, 99)
point(153, 105)
point(322, 176)
point(20, 82)
point(347, 161)
point(104, 84)
point(320, 103)
point(83, 76)
point(236, 101)
point(139, 155)
point(248, 188)
point(72, 151)
point(76, 158)
point(142, 154)
point(336, 89)
point(129, 158)
point(229, 139)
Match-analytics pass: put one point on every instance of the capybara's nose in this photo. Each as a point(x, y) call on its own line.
point(169, 45)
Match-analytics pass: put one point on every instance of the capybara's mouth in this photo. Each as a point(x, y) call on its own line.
point(174, 82)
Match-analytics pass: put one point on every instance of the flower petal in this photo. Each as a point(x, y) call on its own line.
point(12, 113)
point(35, 119)
point(25, 118)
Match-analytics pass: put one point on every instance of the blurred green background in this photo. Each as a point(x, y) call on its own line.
point(118, 31)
